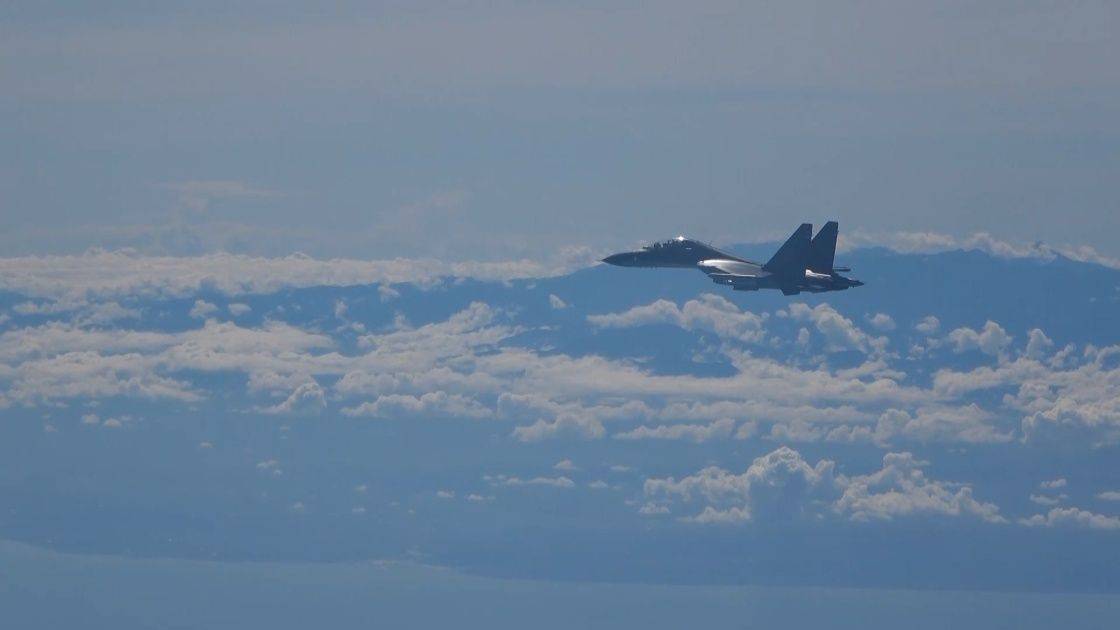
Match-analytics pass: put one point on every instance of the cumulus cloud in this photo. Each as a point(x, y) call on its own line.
point(709, 313)
point(237, 309)
point(1072, 517)
point(901, 489)
point(928, 325)
point(561, 426)
point(1109, 495)
point(555, 302)
point(691, 432)
point(432, 404)
point(1053, 397)
point(881, 321)
point(782, 485)
point(1038, 345)
point(306, 399)
point(967, 423)
point(777, 484)
point(839, 332)
point(992, 340)
point(1053, 484)
point(202, 309)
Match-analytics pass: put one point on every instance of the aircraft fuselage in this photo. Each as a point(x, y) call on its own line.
point(800, 265)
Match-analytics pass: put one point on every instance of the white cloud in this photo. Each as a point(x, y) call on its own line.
point(1109, 495)
point(565, 465)
point(552, 482)
point(1042, 499)
point(445, 494)
point(460, 366)
point(1038, 345)
point(1072, 517)
point(992, 340)
point(929, 325)
point(386, 293)
point(555, 302)
point(1053, 484)
point(709, 312)
point(932, 242)
point(803, 337)
point(881, 321)
point(107, 274)
point(691, 432)
point(306, 399)
point(1060, 395)
point(202, 309)
point(901, 488)
point(561, 426)
point(782, 484)
point(711, 515)
point(340, 309)
point(968, 423)
point(839, 332)
point(432, 404)
point(775, 485)
point(237, 309)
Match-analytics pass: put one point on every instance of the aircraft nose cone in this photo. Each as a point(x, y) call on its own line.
point(625, 259)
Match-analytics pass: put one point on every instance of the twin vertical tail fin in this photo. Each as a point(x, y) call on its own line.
point(792, 257)
point(822, 250)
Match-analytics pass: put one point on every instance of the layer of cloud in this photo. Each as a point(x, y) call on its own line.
point(107, 274)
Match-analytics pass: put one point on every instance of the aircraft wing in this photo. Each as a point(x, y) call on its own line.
point(739, 275)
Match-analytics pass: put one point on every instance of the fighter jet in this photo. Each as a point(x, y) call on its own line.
point(803, 263)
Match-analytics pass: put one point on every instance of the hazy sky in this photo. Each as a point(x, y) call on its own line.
point(504, 129)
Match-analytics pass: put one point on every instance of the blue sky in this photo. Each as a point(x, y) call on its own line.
point(318, 287)
point(497, 131)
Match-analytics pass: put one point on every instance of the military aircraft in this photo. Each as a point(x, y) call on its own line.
point(803, 263)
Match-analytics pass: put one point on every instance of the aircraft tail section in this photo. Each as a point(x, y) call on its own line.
point(822, 249)
point(791, 258)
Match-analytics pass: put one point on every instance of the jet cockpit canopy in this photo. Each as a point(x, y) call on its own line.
point(669, 244)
